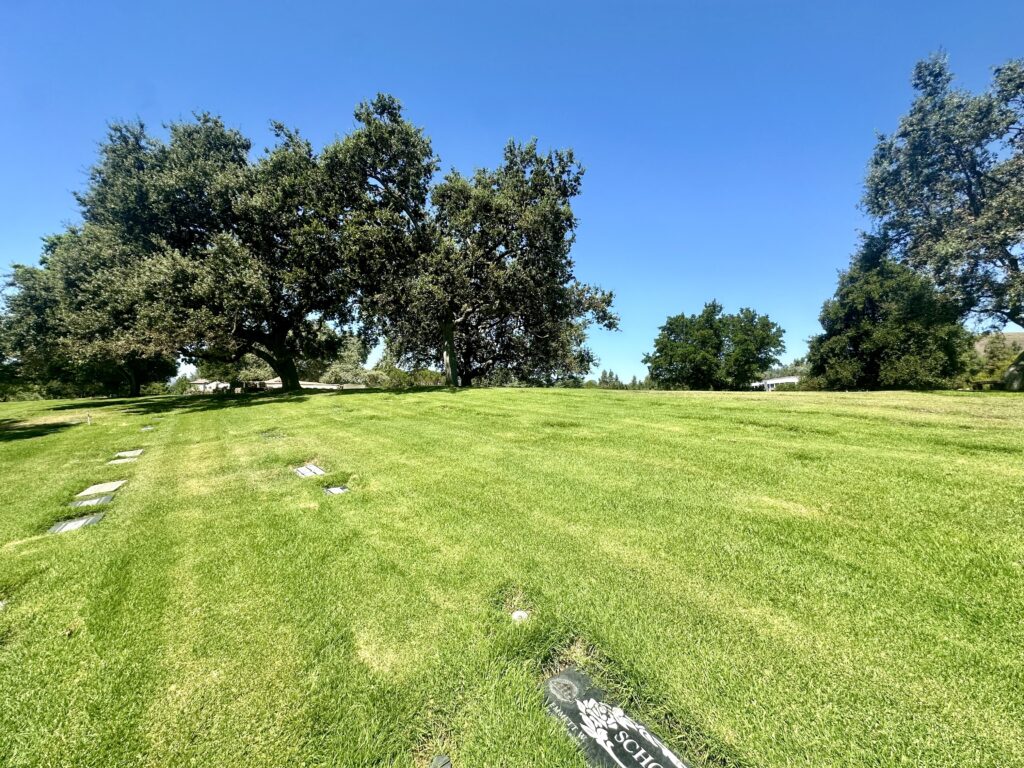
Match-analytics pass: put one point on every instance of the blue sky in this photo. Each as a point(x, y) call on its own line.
point(725, 142)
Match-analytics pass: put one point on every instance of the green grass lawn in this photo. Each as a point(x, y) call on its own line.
point(793, 579)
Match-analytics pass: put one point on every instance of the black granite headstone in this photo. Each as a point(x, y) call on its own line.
point(605, 734)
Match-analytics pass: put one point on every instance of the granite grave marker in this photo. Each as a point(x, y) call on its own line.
point(110, 487)
point(79, 522)
point(606, 735)
point(95, 501)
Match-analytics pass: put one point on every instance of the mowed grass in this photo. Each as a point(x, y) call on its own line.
point(792, 579)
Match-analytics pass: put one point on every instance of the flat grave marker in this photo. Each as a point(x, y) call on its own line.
point(110, 487)
point(95, 501)
point(604, 733)
point(520, 616)
point(334, 490)
point(79, 522)
point(308, 470)
point(147, 429)
point(126, 460)
point(128, 454)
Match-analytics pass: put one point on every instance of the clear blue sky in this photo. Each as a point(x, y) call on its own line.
point(725, 142)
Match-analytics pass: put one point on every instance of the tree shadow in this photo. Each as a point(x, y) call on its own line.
point(197, 403)
point(156, 406)
point(13, 429)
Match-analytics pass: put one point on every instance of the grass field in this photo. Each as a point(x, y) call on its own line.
point(792, 579)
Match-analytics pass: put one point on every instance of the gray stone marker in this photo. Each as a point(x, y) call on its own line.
point(78, 522)
point(110, 487)
point(441, 761)
point(334, 490)
point(95, 501)
point(127, 460)
point(147, 429)
point(128, 454)
point(607, 736)
point(308, 470)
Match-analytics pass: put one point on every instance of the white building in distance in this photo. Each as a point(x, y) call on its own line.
point(769, 385)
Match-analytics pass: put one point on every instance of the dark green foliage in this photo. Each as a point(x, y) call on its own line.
point(887, 327)
point(189, 248)
point(208, 255)
point(948, 189)
point(712, 350)
point(68, 322)
point(495, 294)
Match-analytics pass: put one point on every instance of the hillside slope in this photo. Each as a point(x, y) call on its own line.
point(790, 579)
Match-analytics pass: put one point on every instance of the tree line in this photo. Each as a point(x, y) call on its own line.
point(945, 192)
point(297, 262)
point(189, 249)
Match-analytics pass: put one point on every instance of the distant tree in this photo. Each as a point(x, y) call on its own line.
point(712, 350)
point(609, 380)
point(348, 366)
point(947, 189)
point(644, 383)
point(247, 368)
point(887, 327)
point(799, 367)
point(181, 385)
point(496, 291)
point(997, 356)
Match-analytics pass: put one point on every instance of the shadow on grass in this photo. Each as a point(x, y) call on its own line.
point(12, 429)
point(150, 406)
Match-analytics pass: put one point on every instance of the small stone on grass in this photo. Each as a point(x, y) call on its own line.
point(128, 454)
point(336, 489)
point(520, 616)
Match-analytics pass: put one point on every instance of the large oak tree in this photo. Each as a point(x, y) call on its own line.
point(947, 188)
point(266, 257)
point(493, 292)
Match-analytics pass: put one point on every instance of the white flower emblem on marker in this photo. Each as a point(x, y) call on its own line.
point(599, 718)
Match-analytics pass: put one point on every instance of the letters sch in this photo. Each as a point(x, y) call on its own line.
point(632, 746)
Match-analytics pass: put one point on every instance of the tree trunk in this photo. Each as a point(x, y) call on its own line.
point(1013, 379)
point(451, 365)
point(134, 387)
point(285, 368)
